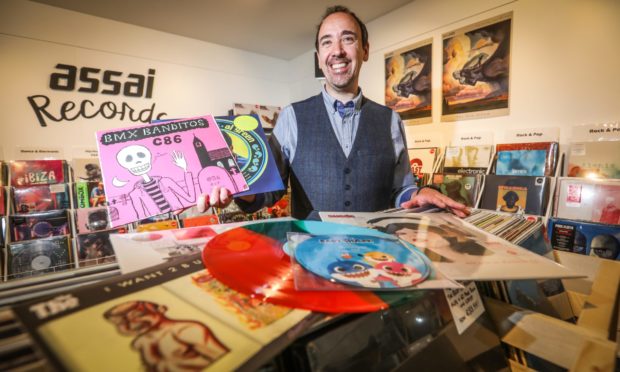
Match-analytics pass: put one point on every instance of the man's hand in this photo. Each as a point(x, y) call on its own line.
point(428, 196)
point(220, 197)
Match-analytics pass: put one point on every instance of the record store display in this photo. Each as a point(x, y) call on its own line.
point(526, 159)
point(251, 260)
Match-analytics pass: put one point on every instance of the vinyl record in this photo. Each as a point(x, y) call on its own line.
point(251, 260)
point(363, 260)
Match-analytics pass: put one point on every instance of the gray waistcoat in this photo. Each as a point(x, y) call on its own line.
point(323, 179)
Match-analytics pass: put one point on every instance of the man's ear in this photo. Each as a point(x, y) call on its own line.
point(366, 52)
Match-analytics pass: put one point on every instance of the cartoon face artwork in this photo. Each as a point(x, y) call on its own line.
point(401, 275)
point(353, 272)
point(135, 158)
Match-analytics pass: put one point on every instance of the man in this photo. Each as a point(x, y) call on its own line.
point(340, 151)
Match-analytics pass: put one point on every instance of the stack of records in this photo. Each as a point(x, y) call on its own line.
point(514, 228)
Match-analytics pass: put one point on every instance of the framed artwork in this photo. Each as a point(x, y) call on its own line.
point(408, 88)
point(476, 70)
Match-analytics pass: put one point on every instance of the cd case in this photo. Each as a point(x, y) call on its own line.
point(91, 219)
point(37, 172)
point(86, 170)
point(90, 194)
point(95, 248)
point(39, 256)
point(41, 198)
point(39, 225)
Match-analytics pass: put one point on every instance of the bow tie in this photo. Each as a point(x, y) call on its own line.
point(344, 108)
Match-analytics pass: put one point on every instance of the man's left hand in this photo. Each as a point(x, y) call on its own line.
point(428, 196)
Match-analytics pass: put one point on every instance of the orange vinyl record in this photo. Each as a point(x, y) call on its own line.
point(251, 260)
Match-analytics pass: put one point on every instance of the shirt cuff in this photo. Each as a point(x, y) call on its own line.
point(405, 195)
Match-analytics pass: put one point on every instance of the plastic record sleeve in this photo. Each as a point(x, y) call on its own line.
point(251, 260)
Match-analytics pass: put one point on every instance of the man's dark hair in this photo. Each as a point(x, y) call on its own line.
point(341, 9)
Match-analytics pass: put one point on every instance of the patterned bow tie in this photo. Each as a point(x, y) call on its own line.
point(344, 108)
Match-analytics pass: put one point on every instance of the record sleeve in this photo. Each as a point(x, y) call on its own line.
point(594, 159)
point(467, 159)
point(459, 187)
point(160, 168)
point(247, 142)
point(37, 172)
point(90, 194)
point(363, 261)
point(456, 247)
point(86, 170)
point(41, 198)
point(91, 219)
point(39, 256)
point(39, 225)
point(526, 159)
point(593, 239)
point(588, 199)
point(516, 194)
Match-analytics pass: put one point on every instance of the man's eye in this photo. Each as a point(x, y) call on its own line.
point(348, 40)
point(326, 43)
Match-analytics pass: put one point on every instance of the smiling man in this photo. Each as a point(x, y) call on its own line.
point(339, 150)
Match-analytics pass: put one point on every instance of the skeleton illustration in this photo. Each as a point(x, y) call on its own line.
point(155, 194)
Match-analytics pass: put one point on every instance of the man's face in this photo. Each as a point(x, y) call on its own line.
point(341, 52)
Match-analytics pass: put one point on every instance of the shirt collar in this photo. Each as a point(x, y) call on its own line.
point(330, 101)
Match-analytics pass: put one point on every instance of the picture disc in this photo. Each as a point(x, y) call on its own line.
point(251, 260)
point(363, 260)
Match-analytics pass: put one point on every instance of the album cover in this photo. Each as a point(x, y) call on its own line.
point(467, 159)
point(459, 187)
point(90, 194)
point(95, 248)
point(160, 168)
point(408, 82)
point(422, 160)
point(594, 159)
point(248, 144)
point(141, 321)
point(39, 225)
point(476, 69)
point(86, 170)
point(456, 247)
point(41, 198)
point(516, 194)
point(526, 159)
point(91, 219)
point(594, 239)
point(37, 172)
point(39, 256)
point(588, 199)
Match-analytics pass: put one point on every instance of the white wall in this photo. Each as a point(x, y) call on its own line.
point(565, 60)
point(564, 66)
point(192, 77)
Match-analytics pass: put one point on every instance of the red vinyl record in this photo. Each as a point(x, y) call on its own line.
point(251, 260)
